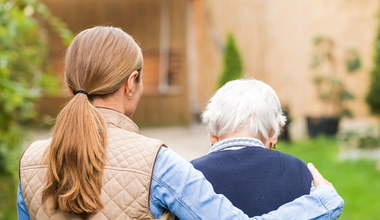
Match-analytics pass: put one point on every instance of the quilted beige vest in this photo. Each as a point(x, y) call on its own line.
point(126, 178)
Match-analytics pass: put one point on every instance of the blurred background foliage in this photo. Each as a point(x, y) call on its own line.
point(25, 74)
point(373, 97)
point(232, 62)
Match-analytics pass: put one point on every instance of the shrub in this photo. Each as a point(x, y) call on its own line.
point(373, 97)
point(232, 64)
point(24, 70)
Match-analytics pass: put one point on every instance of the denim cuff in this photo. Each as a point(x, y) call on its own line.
point(330, 199)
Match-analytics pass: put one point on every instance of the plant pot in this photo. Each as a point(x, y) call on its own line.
point(322, 125)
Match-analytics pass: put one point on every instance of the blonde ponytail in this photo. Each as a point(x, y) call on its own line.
point(76, 158)
point(97, 62)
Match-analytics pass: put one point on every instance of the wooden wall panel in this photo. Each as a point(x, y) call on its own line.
point(141, 19)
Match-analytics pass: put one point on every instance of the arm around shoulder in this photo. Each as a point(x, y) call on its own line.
point(323, 203)
point(178, 187)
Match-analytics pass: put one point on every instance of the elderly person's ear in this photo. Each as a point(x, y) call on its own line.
point(213, 139)
point(271, 142)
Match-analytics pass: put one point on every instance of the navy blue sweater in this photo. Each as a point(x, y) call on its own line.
point(255, 179)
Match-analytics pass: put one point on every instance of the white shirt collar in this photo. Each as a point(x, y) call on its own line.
point(235, 144)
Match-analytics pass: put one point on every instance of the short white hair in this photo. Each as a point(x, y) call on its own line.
point(244, 104)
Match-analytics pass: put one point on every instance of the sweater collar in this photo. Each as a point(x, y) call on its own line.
point(236, 144)
point(117, 119)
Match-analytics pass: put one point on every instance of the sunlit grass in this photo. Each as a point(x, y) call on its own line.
point(358, 182)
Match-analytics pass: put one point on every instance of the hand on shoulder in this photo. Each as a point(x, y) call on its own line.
point(318, 179)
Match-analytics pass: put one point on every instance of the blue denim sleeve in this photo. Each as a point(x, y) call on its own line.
point(22, 212)
point(177, 186)
point(322, 203)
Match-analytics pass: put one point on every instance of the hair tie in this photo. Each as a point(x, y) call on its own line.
point(81, 91)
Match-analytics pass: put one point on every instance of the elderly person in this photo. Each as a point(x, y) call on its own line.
point(244, 119)
point(98, 166)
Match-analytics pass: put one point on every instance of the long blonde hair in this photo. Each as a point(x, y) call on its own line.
point(98, 61)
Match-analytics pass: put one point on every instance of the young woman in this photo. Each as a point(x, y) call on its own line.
point(98, 166)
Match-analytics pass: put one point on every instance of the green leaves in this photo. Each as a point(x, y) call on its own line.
point(232, 64)
point(25, 73)
point(373, 96)
point(353, 62)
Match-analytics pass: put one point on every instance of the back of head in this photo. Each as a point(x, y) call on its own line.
point(244, 104)
point(98, 61)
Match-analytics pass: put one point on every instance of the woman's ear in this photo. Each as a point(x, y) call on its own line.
point(130, 84)
point(132, 81)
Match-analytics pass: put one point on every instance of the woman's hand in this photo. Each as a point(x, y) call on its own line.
point(317, 177)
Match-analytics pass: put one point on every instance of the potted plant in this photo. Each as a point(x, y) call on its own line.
point(331, 90)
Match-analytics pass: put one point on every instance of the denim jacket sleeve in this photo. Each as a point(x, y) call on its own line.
point(177, 186)
point(22, 212)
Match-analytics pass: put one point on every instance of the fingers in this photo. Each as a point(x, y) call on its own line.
point(318, 179)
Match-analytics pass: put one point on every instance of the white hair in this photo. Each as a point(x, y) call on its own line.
point(244, 104)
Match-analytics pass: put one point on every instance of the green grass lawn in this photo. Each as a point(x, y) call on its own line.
point(358, 182)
